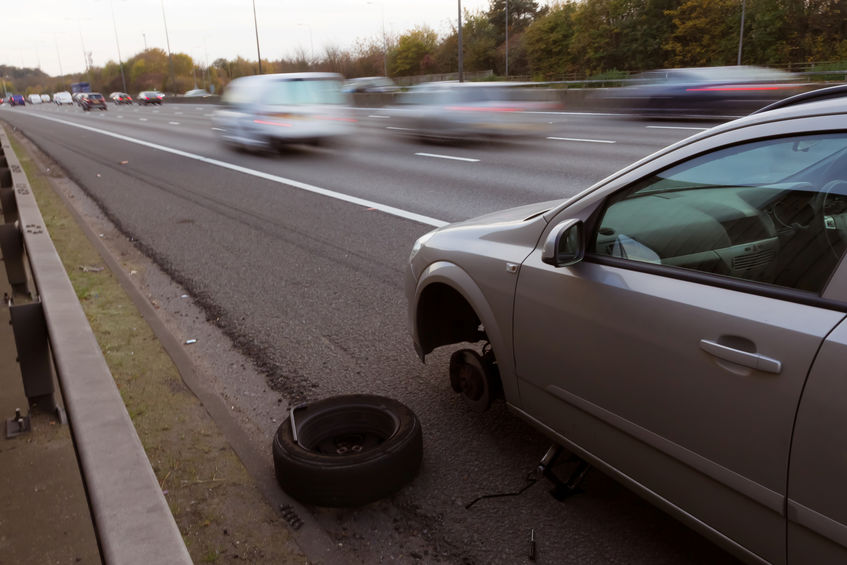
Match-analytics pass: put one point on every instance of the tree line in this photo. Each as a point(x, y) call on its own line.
point(565, 40)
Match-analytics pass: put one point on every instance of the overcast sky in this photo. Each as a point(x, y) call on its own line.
point(52, 34)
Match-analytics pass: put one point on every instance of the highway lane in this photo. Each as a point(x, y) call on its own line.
point(311, 287)
point(504, 175)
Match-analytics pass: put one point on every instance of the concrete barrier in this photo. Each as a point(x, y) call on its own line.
point(131, 516)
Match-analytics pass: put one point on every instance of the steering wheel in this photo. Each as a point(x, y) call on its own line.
point(798, 208)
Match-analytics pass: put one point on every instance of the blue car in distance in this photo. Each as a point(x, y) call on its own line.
point(17, 100)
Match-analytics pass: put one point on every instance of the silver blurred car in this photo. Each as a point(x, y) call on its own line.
point(271, 111)
point(679, 325)
point(459, 111)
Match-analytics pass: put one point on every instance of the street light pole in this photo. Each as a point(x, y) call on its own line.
point(741, 32)
point(311, 43)
point(256, 26)
point(507, 38)
point(461, 74)
point(168, 42)
point(120, 60)
point(384, 40)
point(58, 55)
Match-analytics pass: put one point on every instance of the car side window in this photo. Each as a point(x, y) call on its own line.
point(773, 211)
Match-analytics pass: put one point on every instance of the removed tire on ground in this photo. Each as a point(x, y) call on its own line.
point(347, 450)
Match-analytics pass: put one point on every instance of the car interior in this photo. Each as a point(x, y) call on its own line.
point(789, 230)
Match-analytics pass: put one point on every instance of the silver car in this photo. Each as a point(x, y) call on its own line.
point(680, 326)
point(469, 111)
point(270, 111)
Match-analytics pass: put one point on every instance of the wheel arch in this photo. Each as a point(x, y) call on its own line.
point(449, 307)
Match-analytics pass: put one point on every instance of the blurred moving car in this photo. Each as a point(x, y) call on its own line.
point(197, 93)
point(147, 97)
point(120, 98)
point(370, 84)
point(45, 98)
point(34, 99)
point(270, 111)
point(467, 110)
point(680, 325)
point(16, 100)
point(63, 97)
point(92, 101)
point(704, 91)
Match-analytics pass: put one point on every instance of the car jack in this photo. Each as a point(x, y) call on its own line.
point(562, 489)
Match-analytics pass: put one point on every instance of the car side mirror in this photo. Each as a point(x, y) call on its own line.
point(565, 244)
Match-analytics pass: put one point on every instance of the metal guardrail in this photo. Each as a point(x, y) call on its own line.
point(132, 520)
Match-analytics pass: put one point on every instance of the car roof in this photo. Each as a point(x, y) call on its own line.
point(831, 101)
point(822, 102)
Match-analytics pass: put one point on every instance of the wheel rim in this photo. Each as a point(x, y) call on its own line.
point(346, 433)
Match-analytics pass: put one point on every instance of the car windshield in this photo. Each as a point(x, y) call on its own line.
point(304, 91)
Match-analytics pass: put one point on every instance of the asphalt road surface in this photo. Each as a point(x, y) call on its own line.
point(300, 258)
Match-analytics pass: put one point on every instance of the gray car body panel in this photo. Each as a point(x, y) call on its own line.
point(673, 433)
point(817, 500)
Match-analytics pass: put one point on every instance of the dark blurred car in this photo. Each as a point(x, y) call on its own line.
point(370, 84)
point(706, 91)
point(150, 97)
point(120, 98)
point(92, 101)
point(17, 100)
point(467, 111)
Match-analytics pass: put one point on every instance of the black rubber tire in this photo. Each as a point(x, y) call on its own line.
point(320, 469)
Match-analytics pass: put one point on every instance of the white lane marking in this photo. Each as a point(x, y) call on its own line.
point(142, 119)
point(208, 115)
point(675, 127)
point(436, 156)
point(174, 123)
point(399, 212)
point(400, 129)
point(218, 129)
point(380, 117)
point(177, 113)
point(582, 140)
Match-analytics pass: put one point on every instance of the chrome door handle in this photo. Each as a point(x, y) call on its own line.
point(739, 357)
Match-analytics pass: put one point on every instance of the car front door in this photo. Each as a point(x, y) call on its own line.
point(674, 355)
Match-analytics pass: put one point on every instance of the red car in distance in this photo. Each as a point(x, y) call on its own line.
point(120, 98)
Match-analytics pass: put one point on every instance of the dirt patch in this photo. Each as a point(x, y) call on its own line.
point(221, 513)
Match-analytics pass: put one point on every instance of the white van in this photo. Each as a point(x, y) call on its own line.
point(34, 99)
point(269, 111)
point(63, 97)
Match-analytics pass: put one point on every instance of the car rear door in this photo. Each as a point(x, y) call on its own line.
point(675, 355)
